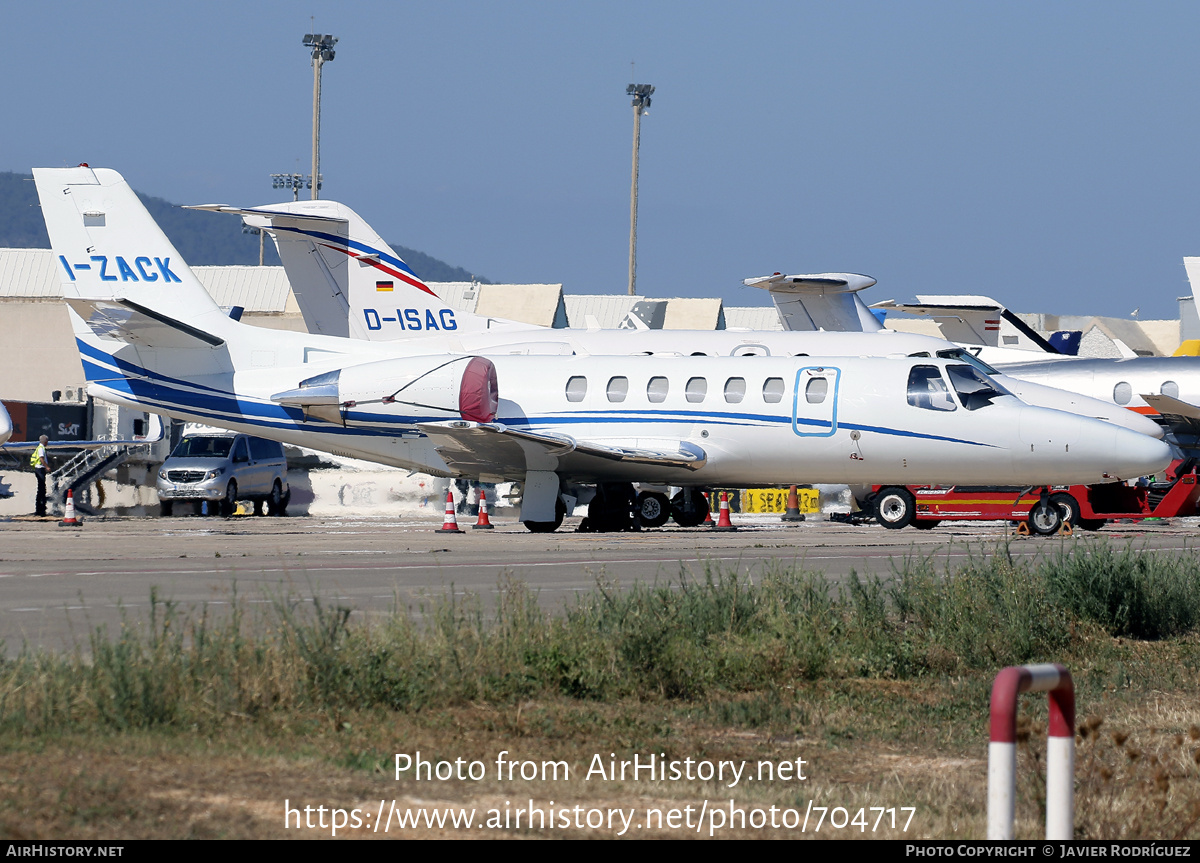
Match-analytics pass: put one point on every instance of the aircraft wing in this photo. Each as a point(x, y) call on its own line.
point(498, 450)
point(1179, 415)
point(125, 320)
point(156, 433)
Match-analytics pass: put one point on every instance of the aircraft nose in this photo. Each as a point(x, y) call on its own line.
point(1134, 454)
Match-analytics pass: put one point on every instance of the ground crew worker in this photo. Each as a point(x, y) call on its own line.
point(40, 468)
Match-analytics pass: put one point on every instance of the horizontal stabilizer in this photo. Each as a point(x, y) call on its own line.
point(842, 282)
point(821, 301)
point(970, 319)
point(494, 448)
point(123, 320)
point(265, 212)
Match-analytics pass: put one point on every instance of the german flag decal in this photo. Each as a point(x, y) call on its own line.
point(383, 286)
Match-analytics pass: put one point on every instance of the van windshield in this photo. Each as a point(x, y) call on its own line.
point(203, 447)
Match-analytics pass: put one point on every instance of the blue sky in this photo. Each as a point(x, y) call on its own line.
point(1040, 152)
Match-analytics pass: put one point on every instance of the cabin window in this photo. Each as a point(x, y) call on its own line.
point(1170, 388)
point(735, 390)
point(773, 390)
point(696, 389)
point(656, 389)
point(618, 388)
point(576, 388)
point(975, 389)
point(1122, 393)
point(816, 390)
point(927, 389)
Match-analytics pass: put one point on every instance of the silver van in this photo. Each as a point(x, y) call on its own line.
point(222, 469)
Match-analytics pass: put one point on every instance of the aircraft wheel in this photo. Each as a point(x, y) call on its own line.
point(895, 507)
point(1068, 505)
point(1045, 518)
point(689, 507)
point(560, 512)
point(923, 524)
point(229, 502)
point(653, 508)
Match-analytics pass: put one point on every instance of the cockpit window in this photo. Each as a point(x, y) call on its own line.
point(975, 389)
point(968, 358)
point(927, 389)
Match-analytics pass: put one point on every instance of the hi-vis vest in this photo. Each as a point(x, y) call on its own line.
point(35, 460)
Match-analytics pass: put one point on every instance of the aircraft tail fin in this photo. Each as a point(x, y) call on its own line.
point(824, 301)
point(109, 248)
point(136, 308)
point(346, 279)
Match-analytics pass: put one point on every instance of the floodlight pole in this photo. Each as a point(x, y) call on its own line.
point(641, 101)
point(322, 50)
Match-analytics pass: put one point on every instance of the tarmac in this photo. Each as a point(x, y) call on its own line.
point(57, 583)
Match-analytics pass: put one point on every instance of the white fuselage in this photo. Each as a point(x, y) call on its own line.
point(864, 430)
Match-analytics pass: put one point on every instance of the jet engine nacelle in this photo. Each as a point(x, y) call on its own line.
point(460, 387)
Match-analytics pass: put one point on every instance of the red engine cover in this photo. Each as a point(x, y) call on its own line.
point(478, 398)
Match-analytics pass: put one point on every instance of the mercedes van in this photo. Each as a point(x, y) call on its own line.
point(215, 471)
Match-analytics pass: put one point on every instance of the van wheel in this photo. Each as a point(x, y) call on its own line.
point(229, 502)
point(276, 503)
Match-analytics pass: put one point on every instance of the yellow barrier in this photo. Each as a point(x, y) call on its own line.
point(775, 500)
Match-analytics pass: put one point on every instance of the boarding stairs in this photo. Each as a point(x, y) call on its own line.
point(81, 470)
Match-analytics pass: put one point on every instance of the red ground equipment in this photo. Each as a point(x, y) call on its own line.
point(1044, 509)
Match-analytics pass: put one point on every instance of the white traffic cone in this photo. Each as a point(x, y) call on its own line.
point(69, 519)
point(450, 522)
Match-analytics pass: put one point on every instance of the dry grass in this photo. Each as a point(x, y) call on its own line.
point(181, 726)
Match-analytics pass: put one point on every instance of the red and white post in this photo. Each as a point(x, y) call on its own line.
point(1060, 749)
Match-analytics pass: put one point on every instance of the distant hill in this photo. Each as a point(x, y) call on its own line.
point(204, 239)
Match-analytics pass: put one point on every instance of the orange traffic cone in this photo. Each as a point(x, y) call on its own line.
point(723, 522)
point(708, 522)
point(450, 522)
point(69, 519)
point(793, 507)
point(483, 523)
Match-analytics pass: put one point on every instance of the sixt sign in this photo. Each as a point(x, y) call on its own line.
point(411, 319)
point(118, 269)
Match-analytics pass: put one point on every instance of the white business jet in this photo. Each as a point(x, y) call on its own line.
point(150, 336)
point(347, 281)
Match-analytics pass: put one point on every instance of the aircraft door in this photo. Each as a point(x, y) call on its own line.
point(815, 397)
